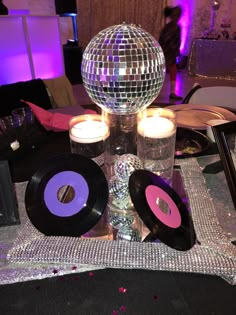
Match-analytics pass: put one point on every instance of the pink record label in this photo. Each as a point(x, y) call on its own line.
point(172, 219)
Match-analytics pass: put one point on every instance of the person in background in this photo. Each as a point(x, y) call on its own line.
point(170, 38)
point(3, 9)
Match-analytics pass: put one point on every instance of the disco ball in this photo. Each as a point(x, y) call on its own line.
point(125, 165)
point(118, 189)
point(123, 69)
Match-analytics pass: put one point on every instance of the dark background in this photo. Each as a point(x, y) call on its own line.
point(65, 6)
point(98, 293)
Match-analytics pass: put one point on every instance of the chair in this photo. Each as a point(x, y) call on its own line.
point(195, 87)
point(46, 93)
point(224, 96)
point(12, 94)
point(60, 91)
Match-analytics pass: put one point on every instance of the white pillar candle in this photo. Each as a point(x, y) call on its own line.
point(89, 131)
point(156, 127)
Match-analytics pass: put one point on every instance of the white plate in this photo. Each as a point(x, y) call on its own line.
point(196, 116)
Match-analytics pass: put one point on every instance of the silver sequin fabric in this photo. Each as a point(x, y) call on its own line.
point(34, 256)
point(201, 66)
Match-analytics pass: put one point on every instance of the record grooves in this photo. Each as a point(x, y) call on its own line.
point(174, 229)
point(77, 216)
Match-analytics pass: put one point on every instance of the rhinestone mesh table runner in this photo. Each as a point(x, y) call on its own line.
point(35, 256)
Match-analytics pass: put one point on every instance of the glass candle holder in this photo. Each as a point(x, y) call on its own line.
point(23, 115)
point(6, 123)
point(87, 135)
point(121, 139)
point(156, 136)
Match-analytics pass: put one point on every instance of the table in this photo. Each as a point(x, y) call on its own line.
point(100, 293)
point(103, 285)
point(213, 58)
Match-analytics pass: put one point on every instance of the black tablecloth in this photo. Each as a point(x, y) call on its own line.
point(112, 292)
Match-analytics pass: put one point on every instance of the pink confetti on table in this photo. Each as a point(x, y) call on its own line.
point(74, 268)
point(122, 290)
point(114, 312)
point(91, 274)
point(155, 297)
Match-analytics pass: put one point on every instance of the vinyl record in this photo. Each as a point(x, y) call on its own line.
point(67, 196)
point(175, 228)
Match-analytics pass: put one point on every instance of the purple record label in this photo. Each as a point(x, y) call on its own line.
point(66, 178)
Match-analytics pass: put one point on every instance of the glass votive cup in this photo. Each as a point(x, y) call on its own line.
point(23, 115)
point(87, 135)
point(156, 136)
point(6, 123)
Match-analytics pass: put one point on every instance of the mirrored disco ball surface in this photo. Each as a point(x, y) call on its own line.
point(123, 69)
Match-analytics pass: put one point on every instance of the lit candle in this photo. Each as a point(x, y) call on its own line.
point(156, 141)
point(156, 127)
point(90, 130)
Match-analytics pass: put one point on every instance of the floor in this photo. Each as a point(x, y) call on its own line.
point(183, 86)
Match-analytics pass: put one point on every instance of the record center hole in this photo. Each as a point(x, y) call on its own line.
point(164, 207)
point(66, 194)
